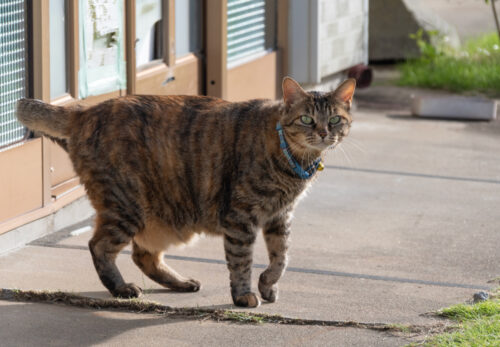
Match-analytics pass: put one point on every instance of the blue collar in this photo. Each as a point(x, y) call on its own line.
point(304, 174)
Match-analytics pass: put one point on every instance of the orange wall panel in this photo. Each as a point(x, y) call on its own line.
point(20, 179)
point(253, 80)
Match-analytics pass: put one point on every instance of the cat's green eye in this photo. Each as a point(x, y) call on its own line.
point(335, 120)
point(306, 120)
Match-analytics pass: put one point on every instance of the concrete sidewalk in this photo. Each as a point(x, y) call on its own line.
point(403, 221)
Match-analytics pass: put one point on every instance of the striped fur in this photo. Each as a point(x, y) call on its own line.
point(50, 120)
point(161, 169)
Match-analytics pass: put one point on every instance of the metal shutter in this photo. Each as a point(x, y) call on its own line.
point(12, 69)
point(246, 28)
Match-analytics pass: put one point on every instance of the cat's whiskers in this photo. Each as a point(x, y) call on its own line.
point(352, 142)
point(347, 157)
point(331, 147)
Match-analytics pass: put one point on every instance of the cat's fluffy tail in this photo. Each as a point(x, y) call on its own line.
point(45, 118)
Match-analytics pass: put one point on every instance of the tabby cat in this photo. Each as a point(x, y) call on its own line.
point(161, 169)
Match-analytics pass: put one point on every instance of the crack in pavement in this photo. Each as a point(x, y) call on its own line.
point(139, 306)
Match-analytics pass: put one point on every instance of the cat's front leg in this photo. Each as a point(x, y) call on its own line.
point(276, 235)
point(238, 245)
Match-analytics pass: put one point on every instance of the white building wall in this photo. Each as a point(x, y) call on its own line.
point(326, 37)
point(343, 35)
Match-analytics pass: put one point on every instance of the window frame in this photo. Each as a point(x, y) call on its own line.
point(135, 73)
point(171, 74)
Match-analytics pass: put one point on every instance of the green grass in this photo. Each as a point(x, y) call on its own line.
point(475, 67)
point(463, 312)
point(479, 325)
point(480, 333)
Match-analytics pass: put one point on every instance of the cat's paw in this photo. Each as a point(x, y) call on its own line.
point(268, 293)
point(247, 300)
point(127, 291)
point(191, 285)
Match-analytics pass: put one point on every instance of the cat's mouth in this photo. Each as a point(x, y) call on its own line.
point(324, 144)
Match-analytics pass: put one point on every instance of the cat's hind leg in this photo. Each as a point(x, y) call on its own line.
point(111, 235)
point(276, 235)
point(152, 264)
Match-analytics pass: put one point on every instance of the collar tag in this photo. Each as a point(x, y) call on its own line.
point(321, 167)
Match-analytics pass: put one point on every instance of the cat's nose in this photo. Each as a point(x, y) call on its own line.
point(322, 134)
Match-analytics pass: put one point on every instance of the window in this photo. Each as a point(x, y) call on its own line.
point(250, 29)
point(149, 31)
point(12, 69)
point(58, 67)
point(102, 63)
point(188, 25)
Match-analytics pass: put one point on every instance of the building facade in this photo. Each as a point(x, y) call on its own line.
point(86, 51)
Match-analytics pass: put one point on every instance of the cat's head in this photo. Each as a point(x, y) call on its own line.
point(315, 121)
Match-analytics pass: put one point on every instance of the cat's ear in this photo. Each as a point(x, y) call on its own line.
point(345, 91)
point(292, 91)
